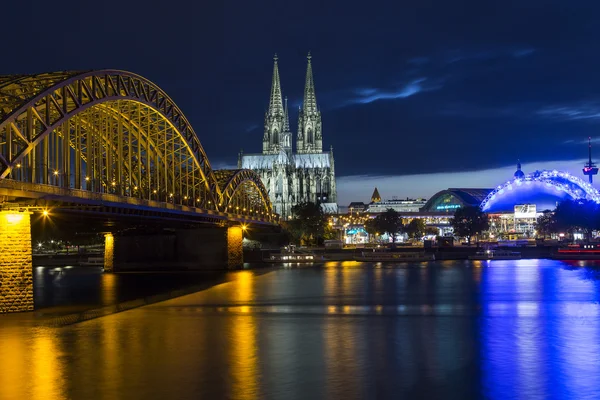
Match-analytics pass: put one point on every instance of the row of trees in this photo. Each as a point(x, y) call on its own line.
point(309, 225)
point(467, 222)
point(390, 222)
point(309, 222)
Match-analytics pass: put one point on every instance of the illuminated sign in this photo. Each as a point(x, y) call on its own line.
point(448, 207)
point(525, 211)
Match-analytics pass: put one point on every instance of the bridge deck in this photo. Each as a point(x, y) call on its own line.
point(142, 207)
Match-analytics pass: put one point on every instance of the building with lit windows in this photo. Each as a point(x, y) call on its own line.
point(402, 206)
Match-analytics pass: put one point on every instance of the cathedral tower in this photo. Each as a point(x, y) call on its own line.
point(310, 139)
point(307, 175)
point(274, 117)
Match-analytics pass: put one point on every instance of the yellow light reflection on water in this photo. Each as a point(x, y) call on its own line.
point(30, 365)
point(244, 352)
point(13, 364)
point(243, 286)
point(109, 289)
point(46, 368)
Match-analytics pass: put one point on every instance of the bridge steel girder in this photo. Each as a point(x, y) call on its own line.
point(242, 191)
point(114, 132)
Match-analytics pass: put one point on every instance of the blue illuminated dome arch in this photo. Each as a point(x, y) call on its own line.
point(543, 188)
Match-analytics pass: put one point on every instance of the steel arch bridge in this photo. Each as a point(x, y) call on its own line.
point(113, 136)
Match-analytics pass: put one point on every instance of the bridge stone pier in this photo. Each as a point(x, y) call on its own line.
point(16, 280)
point(178, 249)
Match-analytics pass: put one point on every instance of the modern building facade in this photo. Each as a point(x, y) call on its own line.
point(292, 177)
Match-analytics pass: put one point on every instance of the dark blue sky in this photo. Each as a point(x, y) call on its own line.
point(404, 87)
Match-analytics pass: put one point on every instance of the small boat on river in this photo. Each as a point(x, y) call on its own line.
point(289, 254)
point(93, 262)
point(496, 255)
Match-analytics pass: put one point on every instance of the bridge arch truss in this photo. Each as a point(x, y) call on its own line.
point(110, 132)
point(242, 191)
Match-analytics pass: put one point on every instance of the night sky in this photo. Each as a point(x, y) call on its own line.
point(404, 87)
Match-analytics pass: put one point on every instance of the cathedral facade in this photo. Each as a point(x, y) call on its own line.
point(292, 177)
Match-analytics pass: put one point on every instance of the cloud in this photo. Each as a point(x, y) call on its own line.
point(360, 187)
point(582, 141)
point(577, 112)
point(370, 95)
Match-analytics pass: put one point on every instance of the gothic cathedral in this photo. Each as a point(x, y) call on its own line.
point(308, 174)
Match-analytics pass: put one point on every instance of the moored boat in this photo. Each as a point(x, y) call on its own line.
point(289, 254)
point(93, 261)
point(379, 256)
point(577, 254)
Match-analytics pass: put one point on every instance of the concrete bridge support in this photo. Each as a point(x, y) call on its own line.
point(16, 279)
point(179, 249)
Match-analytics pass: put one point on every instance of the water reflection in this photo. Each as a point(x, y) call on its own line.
point(526, 329)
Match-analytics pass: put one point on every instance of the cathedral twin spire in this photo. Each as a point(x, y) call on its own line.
point(275, 103)
point(277, 134)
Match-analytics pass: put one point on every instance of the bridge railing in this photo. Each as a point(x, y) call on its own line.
point(51, 190)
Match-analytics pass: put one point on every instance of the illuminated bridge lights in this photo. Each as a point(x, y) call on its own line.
point(109, 131)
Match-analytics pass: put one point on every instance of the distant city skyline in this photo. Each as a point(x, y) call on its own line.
point(360, 188)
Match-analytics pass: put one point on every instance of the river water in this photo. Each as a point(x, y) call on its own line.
point(526, 329)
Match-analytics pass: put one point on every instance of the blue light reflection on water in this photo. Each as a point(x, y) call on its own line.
point(540, 330)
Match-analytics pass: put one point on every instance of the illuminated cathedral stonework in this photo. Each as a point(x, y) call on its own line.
point(308, 174)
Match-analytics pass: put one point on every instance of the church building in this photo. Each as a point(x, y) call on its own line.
point(292, 177)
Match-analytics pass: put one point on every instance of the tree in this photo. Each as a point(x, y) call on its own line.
point(469, 221)
point(371, 227)
point(389, 222)
point(545, 224)
point(308, 222)
point(415, 228)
